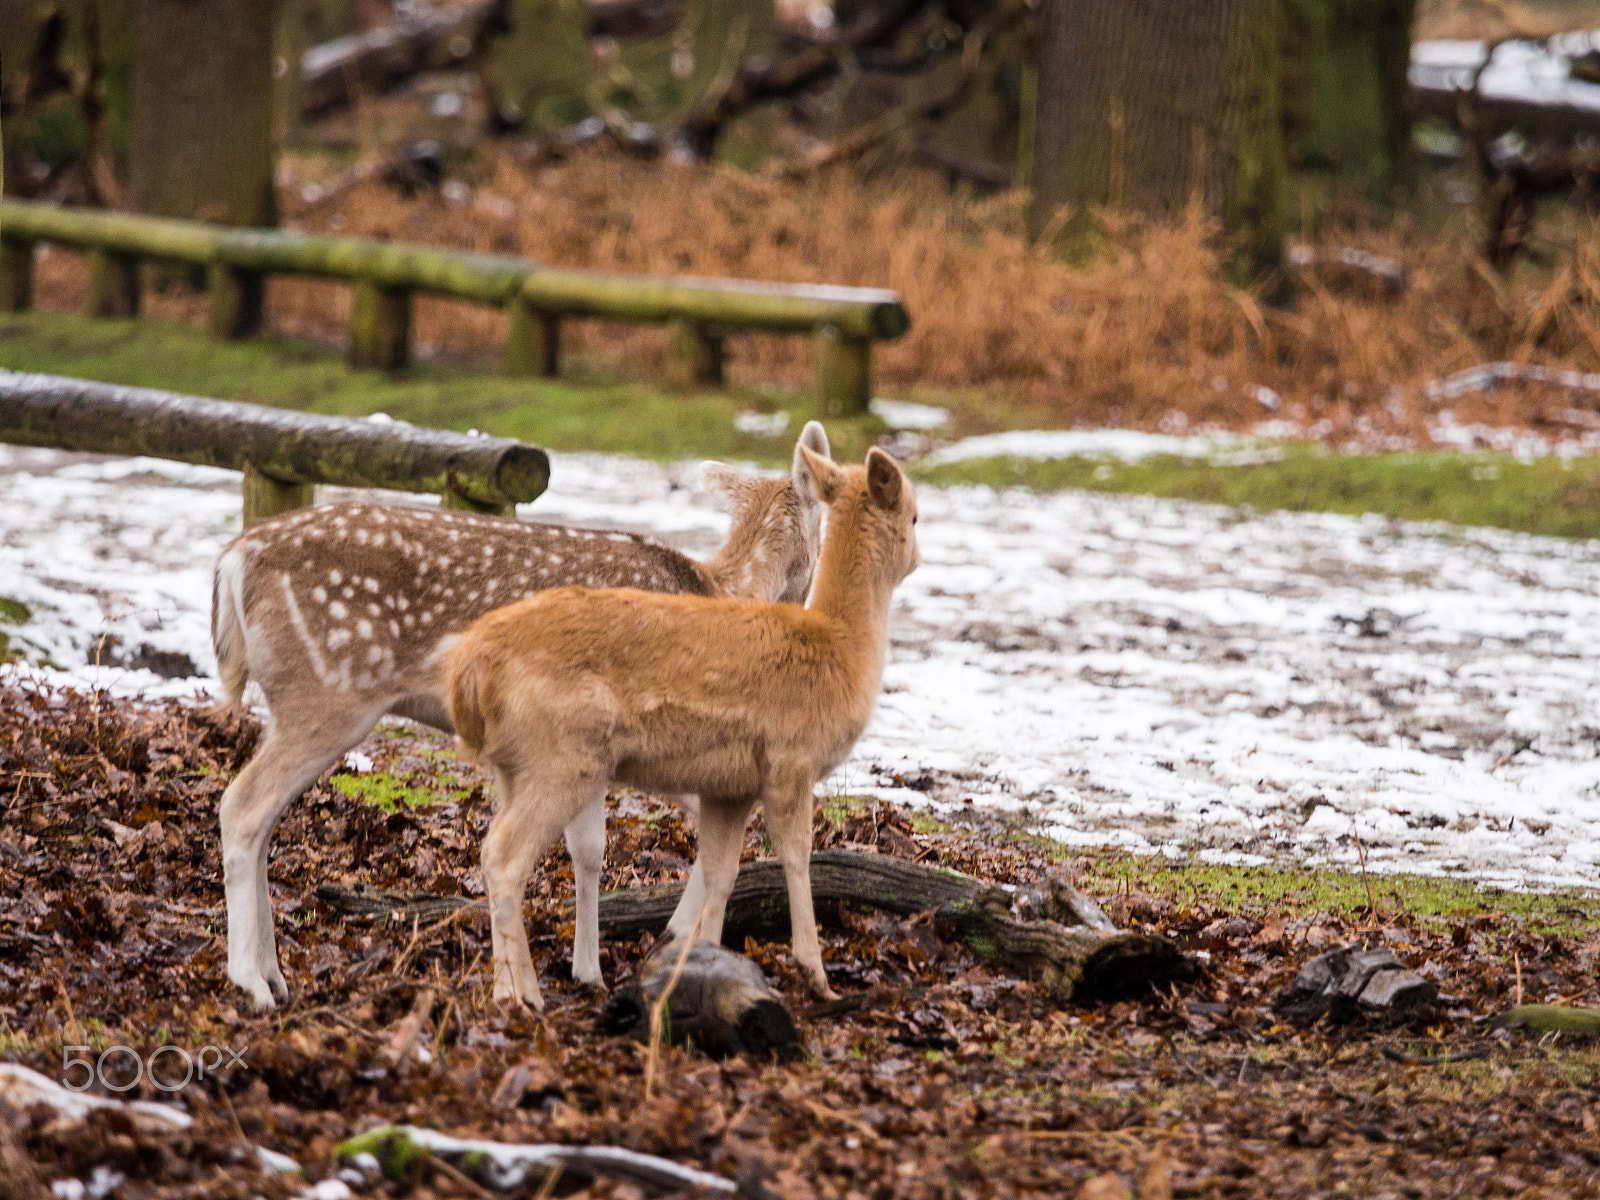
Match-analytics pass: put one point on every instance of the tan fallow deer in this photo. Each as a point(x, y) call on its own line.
point(739, 701)
point(340, 613)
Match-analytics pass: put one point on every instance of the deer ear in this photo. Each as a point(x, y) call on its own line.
point(814, 439)
point(824, 477)
point(728, 484)
point(884, 481)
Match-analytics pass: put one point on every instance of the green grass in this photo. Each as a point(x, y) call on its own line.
point(595, 411)
point(1546, 496)
point(390, 792)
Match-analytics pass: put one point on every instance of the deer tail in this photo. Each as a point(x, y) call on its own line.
point(227, 626)
point(466, 704)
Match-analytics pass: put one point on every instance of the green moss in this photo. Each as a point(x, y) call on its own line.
point(1294, 891)
point(390, 792)
point(399, 1157)
point(590, 410)
point(14, 612)
point(1559, 497)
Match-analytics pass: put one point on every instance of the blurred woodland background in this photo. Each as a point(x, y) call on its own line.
point(1098, 211)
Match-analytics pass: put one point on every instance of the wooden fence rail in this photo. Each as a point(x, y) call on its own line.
point(844, 321)
point(282, 453)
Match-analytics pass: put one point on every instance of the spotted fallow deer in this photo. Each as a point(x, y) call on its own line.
point(340, 614)
point(739, 701)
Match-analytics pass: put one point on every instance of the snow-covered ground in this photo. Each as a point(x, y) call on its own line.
point(1163, 676)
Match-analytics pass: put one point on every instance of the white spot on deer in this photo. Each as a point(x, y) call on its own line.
point(488, 551)
point(410, 621)
point(335, 578)
point(298, 542)
point(361, 536)
point(364, 681)
point(364, 628)
point(618, 537)
point(338, 638)
point(338, 611)
point(402, 603)
point(374, 610)
point(427, 618)
point(349, 593)
point(377, 539)
point(555, 561)
point(374, 655)
point(394, 627)
point(320, 595)
point(379, 519)
point(299, 624)
point(522, 581)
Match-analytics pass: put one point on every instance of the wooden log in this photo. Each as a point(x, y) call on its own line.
point(335, 72)
point(16, 275)
point(380, 328)
point(113, 284)
point(265, 497)
point(697, 352)
point(726, 303)
point(1082, 960)
point(456, 502)
point(287, 446)
point(126, 233)
point(856, 313)
point(238, 301)
point(533, 342)
point(843, 372)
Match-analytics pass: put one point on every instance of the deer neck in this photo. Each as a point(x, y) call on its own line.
point(855, 584)
point(744, 566)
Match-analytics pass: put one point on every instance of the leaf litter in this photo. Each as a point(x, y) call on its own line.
point(935, 1075)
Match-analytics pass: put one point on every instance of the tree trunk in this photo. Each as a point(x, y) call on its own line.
point(1345, 110)
point(201, 129)
point(539, 71)
point(1148, 105)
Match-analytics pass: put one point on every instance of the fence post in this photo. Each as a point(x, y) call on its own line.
point(697, 352)
point(456, 502)
point(16, 275)
point(238, 300)
point(533, 341)
point(843, 373)
point(266, 497)
point(113, 284)
point(380, 327)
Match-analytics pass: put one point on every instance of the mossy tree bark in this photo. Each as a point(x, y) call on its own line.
point(1345, 109)
point(1149, 106)
point(201, 127)
point(718, 35)
point(539, 69)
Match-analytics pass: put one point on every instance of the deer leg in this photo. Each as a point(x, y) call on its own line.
point(535, 807)
point(586, 845)
point(694, 892)
point(287, 764)
point(788, 808)
point(717, 866)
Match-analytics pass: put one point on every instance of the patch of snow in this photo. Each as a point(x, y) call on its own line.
point(1122, 445)
point(761, 424)
point(903, 414)
point(1172, 678)
point(357, 762)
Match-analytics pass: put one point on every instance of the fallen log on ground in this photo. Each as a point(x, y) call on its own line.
point(399, 1153)
point(1051, 933)
point(335, 72)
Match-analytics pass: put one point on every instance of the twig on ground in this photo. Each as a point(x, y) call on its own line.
point(658, 1009)
point(460, 1177)
point(1521, 745)
point(1433, 1060)
point(1516, 958)
point(1361, 853)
